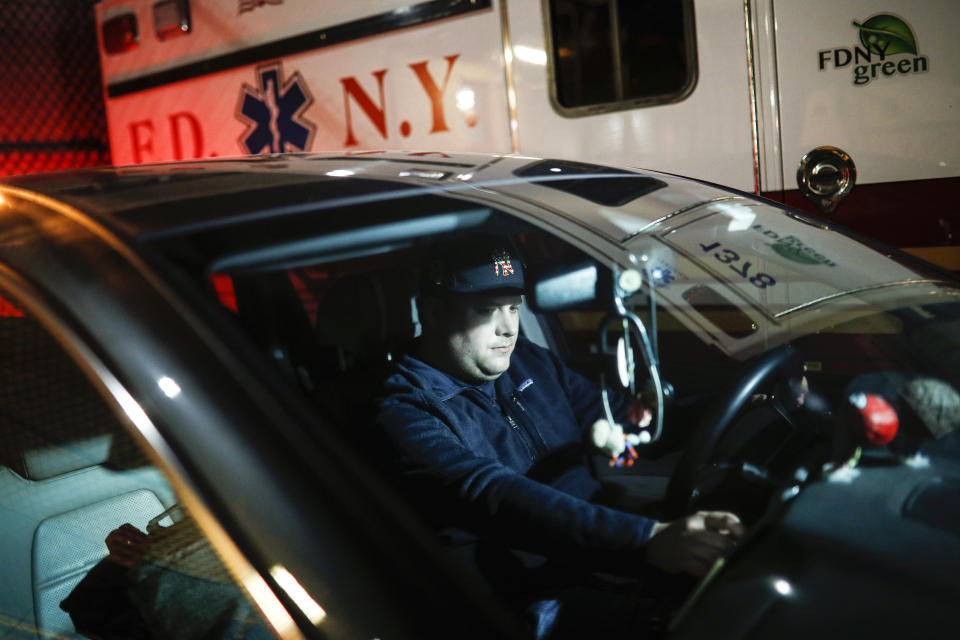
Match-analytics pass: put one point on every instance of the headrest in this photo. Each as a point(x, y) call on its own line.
point(54, 460)
point(369, 313)
point(52, 419)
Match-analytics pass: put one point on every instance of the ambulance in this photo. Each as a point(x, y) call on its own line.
point(846, 108)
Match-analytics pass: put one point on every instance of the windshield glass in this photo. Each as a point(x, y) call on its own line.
point(750, 275)
point(735, 278)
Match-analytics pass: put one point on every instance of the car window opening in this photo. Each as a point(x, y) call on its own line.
point(101, 526)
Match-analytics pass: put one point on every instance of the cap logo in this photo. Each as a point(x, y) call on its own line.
point(501, 263)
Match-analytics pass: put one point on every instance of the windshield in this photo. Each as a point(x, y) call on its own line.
point(744, 277)
point(748, 275)
point(734, 278)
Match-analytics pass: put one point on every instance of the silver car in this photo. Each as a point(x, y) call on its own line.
point(188, 355)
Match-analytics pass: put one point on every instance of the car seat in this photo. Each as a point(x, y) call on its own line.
point(69, 474)
point(363, 323)
point(58, 502)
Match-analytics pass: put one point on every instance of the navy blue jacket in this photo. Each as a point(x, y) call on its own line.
point(505, 460)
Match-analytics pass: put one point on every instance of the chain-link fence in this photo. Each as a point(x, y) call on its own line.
point(51, 101)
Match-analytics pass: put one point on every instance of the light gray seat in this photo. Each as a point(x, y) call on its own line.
point(69, 474)
point(57, 504)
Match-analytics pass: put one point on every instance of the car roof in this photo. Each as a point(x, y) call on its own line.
point(263, 213)
point(171, 199)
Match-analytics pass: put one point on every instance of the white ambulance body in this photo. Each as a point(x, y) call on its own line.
point(733, 92)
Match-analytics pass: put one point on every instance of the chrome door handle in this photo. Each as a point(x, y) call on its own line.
point(826, 176)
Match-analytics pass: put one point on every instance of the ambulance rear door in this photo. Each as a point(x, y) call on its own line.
point(878, 85)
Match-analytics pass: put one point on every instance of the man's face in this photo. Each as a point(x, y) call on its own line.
point(481, 332)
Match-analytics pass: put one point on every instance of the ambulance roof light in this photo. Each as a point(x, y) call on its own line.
point(120, 33)
point(171, 18)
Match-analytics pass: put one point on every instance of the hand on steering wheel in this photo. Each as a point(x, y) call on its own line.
point(693, 544)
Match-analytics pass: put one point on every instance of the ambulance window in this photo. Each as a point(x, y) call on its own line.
point(610, 55)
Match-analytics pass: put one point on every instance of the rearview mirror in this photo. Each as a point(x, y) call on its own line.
point(557, 287)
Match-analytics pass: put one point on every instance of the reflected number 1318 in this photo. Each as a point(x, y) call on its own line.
point(731, 258)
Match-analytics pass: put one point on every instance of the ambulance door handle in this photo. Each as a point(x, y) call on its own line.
point(826, 176)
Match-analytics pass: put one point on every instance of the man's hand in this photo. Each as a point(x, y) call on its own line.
point(692, 544)
point(126, 545)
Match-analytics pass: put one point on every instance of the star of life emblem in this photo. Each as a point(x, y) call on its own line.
point(501, 263)
point(273, 112)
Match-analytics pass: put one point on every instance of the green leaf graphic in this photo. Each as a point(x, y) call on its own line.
point(793, 253)
point(886, 34)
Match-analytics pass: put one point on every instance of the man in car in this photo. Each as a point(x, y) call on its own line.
point(488, 431)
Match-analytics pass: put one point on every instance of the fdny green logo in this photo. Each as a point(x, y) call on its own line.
point(796, 252)
point(889, 49)
point(793, 248)
point(884, 35)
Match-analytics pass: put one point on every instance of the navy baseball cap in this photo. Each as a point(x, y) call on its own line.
point(480, 265)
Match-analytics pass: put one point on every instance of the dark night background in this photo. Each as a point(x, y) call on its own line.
point(51, 102)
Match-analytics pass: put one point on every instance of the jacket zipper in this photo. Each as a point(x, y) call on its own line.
point(521, 434)
point(516, 400)
point(520, 431)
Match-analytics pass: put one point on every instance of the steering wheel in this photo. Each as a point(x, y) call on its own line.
point(706, 438)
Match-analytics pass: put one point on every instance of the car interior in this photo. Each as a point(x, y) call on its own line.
point(331, 312)
point(70, 474)
point(331, 325)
